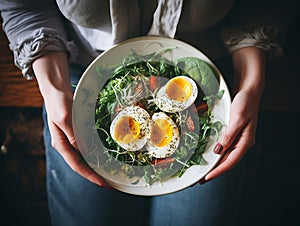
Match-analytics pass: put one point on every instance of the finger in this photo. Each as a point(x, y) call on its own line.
point(77, 164)
point(228, 161)
point(67, 128)
point(229, 135)
point(234, 154)
point(73, 158)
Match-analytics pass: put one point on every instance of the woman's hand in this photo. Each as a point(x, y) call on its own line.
point(239, 136)
point(52, 74)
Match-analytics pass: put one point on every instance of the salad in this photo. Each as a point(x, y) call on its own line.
point(154, 116)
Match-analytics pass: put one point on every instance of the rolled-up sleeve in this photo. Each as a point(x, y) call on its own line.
point(262, 24)
point(267, 38)
point(34, 28)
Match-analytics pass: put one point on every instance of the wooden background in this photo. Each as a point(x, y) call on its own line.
point(22, 157)
point(14, 89)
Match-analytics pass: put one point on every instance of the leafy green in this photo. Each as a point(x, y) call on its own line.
point(129, 85)
point(201, 72)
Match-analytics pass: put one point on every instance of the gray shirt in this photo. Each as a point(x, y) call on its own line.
point(84, 28)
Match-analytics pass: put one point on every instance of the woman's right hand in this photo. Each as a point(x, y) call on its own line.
point(52, 74)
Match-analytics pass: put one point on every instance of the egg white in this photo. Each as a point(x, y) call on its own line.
point(166, 104)
point(170, 148)
point(143, 118)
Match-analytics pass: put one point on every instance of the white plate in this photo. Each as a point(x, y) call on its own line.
point(87, 92)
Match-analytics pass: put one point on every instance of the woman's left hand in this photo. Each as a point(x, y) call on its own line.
point(239, 136)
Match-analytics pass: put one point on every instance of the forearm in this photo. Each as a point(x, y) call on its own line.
point(249, 65)
point(52, 74)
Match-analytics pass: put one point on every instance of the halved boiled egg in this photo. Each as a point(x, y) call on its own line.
point(164, 138)
point(131, 128)
point(177, 94)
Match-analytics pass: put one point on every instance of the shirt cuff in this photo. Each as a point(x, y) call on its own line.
point(268, 39)
point(40, 42)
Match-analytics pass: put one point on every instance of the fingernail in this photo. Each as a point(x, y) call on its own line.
point(218, 148)
point(108, 188)
point(203, 181)
point(104, 185)
point(194, 184)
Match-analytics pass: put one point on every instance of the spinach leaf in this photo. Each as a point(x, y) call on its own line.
point(203, 73)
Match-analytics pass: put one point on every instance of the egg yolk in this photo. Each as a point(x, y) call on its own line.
point(127, 130)
point(161, 134)
point(179, 89)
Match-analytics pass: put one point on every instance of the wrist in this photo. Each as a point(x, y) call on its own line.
point(52, 74)
point(249, 65)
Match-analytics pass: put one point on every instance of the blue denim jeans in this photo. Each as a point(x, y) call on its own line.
point(74, 201)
